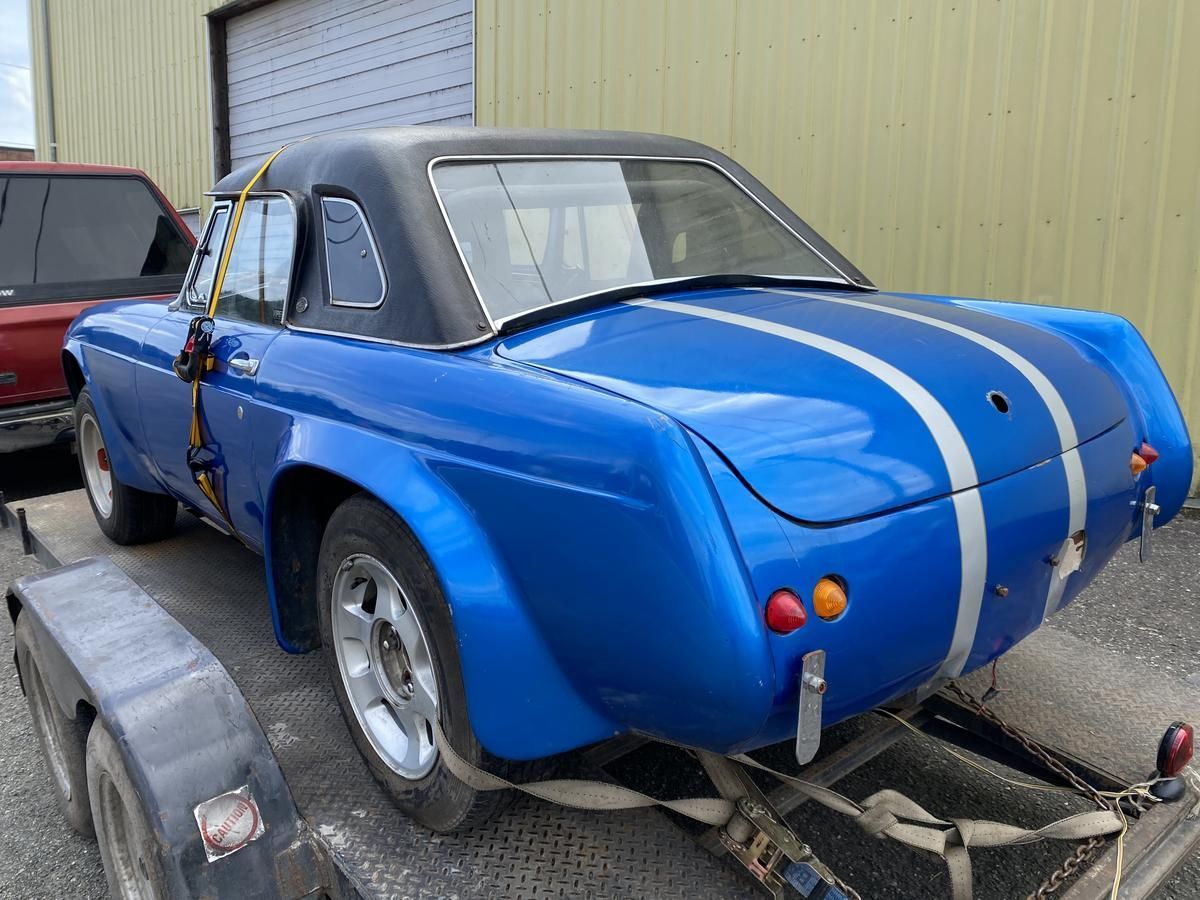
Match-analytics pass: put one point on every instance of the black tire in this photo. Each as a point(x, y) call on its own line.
point(438, 800)
point(130, 516)
point(63, 740)
point(127, 846)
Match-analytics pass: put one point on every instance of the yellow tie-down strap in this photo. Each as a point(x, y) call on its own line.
point(196, 439)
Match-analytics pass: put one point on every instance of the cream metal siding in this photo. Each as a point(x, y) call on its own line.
point(1011, 148)
point(299, 67)
point(130, 88)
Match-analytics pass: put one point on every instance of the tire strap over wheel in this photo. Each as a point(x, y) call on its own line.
point(195, 359)
point(886, 813)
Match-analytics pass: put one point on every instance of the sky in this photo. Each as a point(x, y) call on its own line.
point(16, 92)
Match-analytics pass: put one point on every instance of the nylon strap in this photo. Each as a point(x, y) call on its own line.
point(885, 813)
point(196, 436)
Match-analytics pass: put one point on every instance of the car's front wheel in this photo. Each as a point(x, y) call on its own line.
point(393, 658)
point(125, 514)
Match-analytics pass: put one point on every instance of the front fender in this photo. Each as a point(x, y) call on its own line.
point(495, 635)
point(110, 381)
point(105, 342)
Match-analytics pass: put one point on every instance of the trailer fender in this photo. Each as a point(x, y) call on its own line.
point(185, 733)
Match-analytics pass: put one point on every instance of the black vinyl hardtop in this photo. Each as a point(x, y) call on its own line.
point(431, 301)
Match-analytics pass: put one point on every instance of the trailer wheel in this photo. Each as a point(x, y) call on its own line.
point(127, 845)
point(125, 514)
point(63, 740)
point(393, 658)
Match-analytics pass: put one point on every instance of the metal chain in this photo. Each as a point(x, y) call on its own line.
point(1069, 867)
point(1084, 851)
point(850, 892)
point(1051, 762)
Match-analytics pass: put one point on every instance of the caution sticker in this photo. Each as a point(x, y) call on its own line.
point(228, 822)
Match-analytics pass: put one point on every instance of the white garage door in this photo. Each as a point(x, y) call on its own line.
point(300, 67)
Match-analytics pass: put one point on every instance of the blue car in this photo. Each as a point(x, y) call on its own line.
point(554, 436)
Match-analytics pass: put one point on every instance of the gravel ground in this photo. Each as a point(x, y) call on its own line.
point(1144, 612)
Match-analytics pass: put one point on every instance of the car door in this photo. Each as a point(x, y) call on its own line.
point(247, 319)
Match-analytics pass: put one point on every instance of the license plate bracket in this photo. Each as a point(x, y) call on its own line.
point(812, 693)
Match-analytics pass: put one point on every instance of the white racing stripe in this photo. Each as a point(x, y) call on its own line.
point(968, 508)
point(1067, 436)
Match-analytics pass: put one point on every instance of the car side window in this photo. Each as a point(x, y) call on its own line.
point(260, 265)
point(208, 254)
point(351, 257)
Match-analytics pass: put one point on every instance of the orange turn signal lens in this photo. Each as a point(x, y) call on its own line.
point(1137, 465)
point(829, 598)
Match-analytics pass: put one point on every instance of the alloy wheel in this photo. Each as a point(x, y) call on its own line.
point(386, 665)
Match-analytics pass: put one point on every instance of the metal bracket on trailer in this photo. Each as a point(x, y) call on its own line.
point(224, 821)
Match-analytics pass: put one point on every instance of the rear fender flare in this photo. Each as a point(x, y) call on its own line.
point(511, 678)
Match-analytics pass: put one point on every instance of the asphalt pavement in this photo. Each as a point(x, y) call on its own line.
point(1144, 612)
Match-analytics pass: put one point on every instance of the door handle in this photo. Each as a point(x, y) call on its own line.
point(244, 364)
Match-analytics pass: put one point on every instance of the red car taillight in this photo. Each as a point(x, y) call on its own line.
point(785, 612)
point(1142, 458)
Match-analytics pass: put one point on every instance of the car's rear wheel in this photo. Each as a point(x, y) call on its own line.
point(393, 658)
point(125, 514)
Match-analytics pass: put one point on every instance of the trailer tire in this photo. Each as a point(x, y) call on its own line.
point(63, 740)
point(362, 528)
point(125, 514)
point(128, 847)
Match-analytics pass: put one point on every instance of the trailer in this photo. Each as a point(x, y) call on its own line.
point(229, 759)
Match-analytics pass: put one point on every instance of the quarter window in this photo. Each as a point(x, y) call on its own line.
point(351, 258)
point(199, 289)
point(260, 267)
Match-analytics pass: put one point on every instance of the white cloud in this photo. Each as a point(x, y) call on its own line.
point(16, 93)
point(16, 107)
point(14, 33)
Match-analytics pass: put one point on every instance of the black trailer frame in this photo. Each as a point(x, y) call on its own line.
point(190, 610)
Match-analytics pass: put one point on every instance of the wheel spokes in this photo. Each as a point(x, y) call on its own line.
point(413, 727)
point(355, 622)
point(364, 690)
point(386, 665)
point(424, 700)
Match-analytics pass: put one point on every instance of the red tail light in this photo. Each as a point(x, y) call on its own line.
point(1142, 457)
point(1175, 749)
point(785, 612)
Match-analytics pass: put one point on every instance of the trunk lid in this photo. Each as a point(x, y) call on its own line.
point(821, 401)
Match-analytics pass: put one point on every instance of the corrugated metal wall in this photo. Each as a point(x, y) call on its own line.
point(1008, 148)
point(130, 88)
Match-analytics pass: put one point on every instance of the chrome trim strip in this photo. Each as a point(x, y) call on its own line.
point(518, 157)
point(383, 281)
point(956, 455)
point(1068, 437)
point(202, 244)
point(257, 195)
point(461, 345)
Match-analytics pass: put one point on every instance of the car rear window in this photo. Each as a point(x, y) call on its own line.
point(80, 237)
point(540, 231)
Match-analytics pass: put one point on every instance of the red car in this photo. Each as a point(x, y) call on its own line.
point(71, 235)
